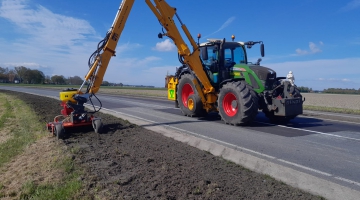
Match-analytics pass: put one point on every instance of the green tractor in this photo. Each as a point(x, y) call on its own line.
point(242, 88)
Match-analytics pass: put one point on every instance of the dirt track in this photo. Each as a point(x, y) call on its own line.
point(130, 162)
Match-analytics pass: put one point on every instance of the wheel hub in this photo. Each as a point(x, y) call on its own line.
point(230, 104)
point(186, 91)
point(234, 104)
point(190, 104)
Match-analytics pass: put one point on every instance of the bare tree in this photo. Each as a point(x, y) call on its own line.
point(60, 80)
point(4, 74)
point(12, 75)
point(21, 71)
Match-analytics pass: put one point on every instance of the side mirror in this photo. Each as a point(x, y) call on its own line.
point(204, 53)
point(262, 50)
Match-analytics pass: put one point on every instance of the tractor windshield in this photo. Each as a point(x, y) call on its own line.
point(234, 52)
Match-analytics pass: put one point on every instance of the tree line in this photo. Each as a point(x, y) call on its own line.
point(26, 75)
point(341, 91)
point(331, 90)
point(305, 89)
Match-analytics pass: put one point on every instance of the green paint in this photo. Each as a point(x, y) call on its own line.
point(245, 74)
point(171, 92)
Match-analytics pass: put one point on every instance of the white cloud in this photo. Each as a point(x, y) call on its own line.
point(44, 26)
point(335, 79)
point(165, 45)
point(224, 25)
point(313, 48)
point(134, 71)
point(59, 44)
point(44, 40)
point(351, 5)
point(338, 73)
point(127, 46)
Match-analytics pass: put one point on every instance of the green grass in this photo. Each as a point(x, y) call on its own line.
point(22, 126)
point(25, 128)
point(7, 113)
point(58, 191)
point(330, 109)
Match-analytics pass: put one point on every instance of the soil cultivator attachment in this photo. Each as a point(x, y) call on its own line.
point(73, 115)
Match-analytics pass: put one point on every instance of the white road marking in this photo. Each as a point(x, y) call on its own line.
point(333, 114)
point(245, 149)
point(193, 133)
point(248, 150)
point(306, 130)
point(347, 180)
point(331, 120)
point(328, 134)
point(303, 167)
point(138, 103)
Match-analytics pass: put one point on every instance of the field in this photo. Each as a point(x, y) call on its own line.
point(345, 101)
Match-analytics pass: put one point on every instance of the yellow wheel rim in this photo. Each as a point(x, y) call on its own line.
point(190, 104)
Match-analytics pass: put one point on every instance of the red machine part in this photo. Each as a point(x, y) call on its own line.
point(65, 112)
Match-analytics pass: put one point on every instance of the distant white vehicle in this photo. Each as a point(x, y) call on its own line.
point(16, 81)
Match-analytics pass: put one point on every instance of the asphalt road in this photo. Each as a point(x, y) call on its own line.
point(326, 146)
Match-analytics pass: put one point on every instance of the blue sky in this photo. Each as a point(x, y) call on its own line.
point(319, 40)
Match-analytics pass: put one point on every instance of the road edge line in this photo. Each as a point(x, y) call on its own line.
point(297, 179)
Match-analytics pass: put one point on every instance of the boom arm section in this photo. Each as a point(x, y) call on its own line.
point(104, 53)
point(165, 14)
point(99, 61)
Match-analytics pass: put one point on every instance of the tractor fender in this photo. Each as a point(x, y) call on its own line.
point(230, 80)
point(182, 70)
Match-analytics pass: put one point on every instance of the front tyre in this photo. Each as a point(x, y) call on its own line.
point(97, 125)
point(187, 94)
point(237, 104)
point(59, 131)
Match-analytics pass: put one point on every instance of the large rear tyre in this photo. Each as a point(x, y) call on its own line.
point(237, 103)
point(187, 93)
point(59, 131)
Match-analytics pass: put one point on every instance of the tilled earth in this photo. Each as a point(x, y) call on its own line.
point(130, 162)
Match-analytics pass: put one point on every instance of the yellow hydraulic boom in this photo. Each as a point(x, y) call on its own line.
point(97, 70)
point(73, 100)
point(164, 13)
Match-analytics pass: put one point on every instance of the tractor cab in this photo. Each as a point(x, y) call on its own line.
point(226, 61)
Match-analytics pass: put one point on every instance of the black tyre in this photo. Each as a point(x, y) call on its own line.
point(255, 97)
point(237, 103)
point(59, 131)
point(195, 106)
point(97, 125)
point(186, 88)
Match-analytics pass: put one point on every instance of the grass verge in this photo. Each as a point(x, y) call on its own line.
point(330, 109)
point(19, 120)
point(65, 189)
point(28, 158)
